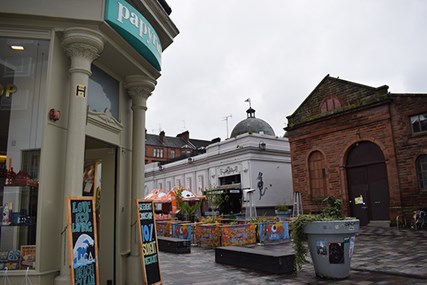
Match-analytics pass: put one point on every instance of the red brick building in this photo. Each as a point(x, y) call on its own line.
point(362, 144)
point(162, 148)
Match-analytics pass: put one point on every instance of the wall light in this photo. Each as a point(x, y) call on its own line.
point(19, 48)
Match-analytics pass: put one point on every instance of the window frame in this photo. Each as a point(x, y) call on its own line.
point(421, 172)
point(417, 119)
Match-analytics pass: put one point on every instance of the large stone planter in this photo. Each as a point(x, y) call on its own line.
point(331, 245)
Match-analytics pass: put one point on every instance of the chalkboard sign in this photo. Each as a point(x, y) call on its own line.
point(82, 241)
point(148, 242)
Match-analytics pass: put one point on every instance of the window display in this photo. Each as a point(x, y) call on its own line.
point(22, 74)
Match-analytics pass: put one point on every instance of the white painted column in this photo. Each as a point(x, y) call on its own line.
point(139, 88)
point(83, 46)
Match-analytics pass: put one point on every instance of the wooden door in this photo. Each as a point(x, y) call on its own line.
point(367, 183)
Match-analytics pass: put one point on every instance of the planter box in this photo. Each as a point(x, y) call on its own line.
point(182, 231)
point(238, 234)
point(163, 228)
point(208, 235)
point(273, 231)
point(331, 245)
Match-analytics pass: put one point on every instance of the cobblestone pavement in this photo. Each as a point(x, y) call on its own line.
point(382, 256)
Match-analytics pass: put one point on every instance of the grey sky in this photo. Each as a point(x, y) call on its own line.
point(276, 52)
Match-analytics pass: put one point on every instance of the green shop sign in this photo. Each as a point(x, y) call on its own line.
point(135, 29)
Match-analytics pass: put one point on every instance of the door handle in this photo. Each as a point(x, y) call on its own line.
point(377, 202)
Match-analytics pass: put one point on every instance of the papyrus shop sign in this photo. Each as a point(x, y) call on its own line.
point(135, 29)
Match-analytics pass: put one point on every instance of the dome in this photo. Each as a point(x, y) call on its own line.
point(252, 125)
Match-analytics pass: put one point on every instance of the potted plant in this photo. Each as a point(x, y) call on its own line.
point(214, 198)
point(187, 209)
point(330, 236)
point(282, 209)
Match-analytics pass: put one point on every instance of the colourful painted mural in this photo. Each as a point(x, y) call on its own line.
point(208, 235)
point(273, 231)
point(182, 231)
point(238, 234)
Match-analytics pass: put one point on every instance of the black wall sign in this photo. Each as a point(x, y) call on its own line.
point(82, 239)
point(148, 242)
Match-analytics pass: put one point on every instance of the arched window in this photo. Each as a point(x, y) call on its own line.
point(330, 104)
point(421, 164)
point(317, 172)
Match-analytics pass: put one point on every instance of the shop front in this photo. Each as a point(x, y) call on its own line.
point(73, 95)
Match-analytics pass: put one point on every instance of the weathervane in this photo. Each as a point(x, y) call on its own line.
point(249, 101)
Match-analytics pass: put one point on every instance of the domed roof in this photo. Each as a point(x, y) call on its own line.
point(252, 125)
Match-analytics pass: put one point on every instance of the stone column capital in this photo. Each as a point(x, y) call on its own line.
point(83, 44)
point(139, 88)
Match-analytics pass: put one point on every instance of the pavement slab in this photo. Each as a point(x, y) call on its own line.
point(381, 256)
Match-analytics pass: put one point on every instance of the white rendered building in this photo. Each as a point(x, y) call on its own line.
point(253, 158)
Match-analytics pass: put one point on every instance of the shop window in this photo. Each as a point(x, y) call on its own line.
point(103, 92)
point(421, 164)
point(419, 123)
point(22, 114)
point(317, 172)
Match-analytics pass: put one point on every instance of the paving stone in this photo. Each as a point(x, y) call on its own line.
point(381, 256)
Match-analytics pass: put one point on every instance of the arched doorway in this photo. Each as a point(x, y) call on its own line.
point(367, 182)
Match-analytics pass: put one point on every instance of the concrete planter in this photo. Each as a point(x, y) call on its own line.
point(331, 245)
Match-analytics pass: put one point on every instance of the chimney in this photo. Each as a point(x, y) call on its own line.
point(185, 136)
point(162, 136)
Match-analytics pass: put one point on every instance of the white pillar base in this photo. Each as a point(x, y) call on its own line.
point(62, 280)
point(134, 274)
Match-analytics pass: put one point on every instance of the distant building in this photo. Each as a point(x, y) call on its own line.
point(161, 148)
point(362, 144)
point(254, 157)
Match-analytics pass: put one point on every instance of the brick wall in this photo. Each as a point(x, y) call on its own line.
point(334, 137)
point(384, 122)
point(409, 146)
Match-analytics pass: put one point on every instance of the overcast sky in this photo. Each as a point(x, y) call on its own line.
point(275, 52)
